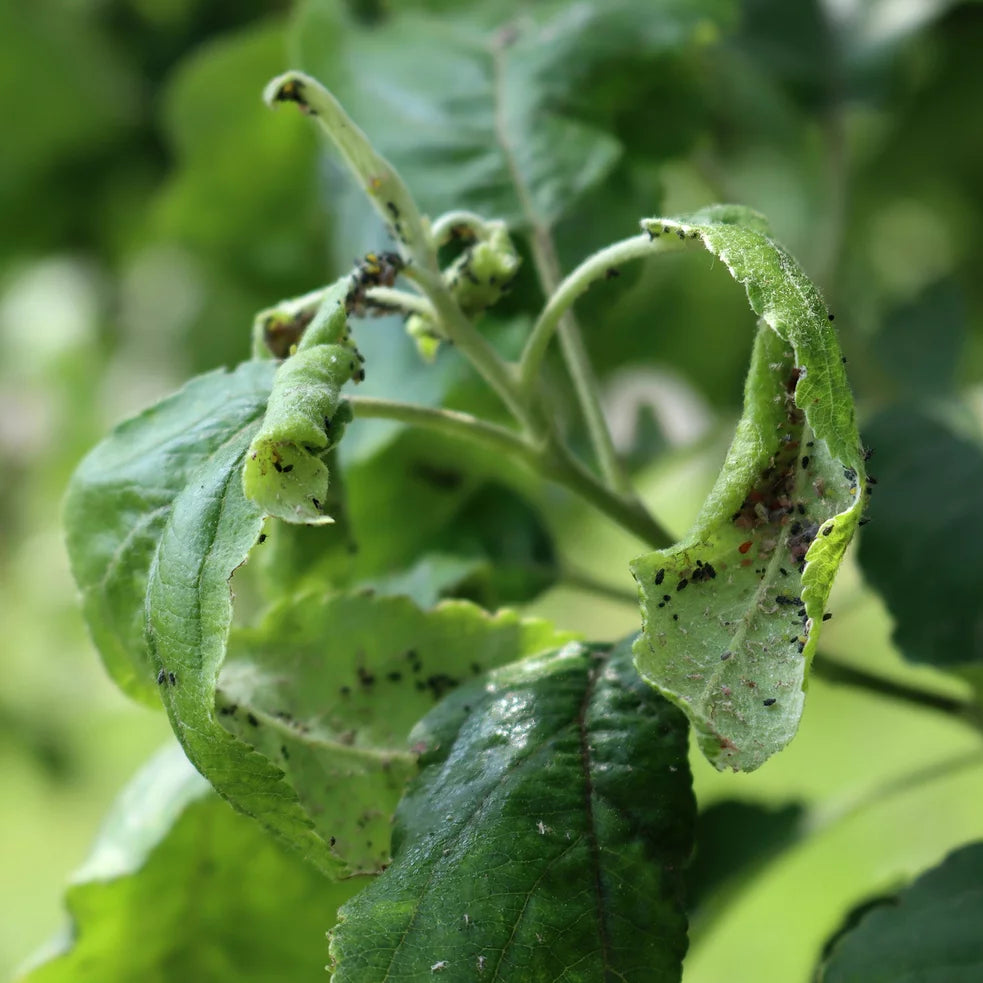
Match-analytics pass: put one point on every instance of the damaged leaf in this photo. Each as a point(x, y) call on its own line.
point(732, 613)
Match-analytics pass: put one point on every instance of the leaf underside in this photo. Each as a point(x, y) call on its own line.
point(329, 688)
point(732, 613)
point(543, 838)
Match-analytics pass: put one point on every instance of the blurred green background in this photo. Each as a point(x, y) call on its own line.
point(150, 204)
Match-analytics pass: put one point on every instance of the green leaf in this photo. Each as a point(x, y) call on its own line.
point(510, 118)
point(923, 550)
point(180, 887)
point(121, 498)
point(922, 343)
point(330, 689)
point(285, 472)
point(930, 932)
point(732, 613)
point(543, 839)
point(157, 524)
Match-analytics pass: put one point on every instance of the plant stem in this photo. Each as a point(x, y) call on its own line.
point(593, 268)
point(400, 300)
point(834, 671)
point(552, 462)
point(473, 346)
point(548, 271)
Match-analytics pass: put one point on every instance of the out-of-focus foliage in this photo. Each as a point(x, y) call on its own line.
point(149, 205)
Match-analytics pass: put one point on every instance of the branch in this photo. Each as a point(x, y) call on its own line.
point(834, 671)
point(552, 462)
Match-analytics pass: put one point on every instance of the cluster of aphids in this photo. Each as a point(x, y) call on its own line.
point(372, 270)
point(282, 332)
point(772, 499)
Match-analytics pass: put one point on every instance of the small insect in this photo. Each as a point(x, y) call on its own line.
point(682, 584)
point(827, 615)
point(744, 547)
point(805, 462)
point(660, 576)
point(439, 967)
point(770, 702)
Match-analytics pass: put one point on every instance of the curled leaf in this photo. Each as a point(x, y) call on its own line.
point(732, 613)
point(385, 188)
point(285, 472)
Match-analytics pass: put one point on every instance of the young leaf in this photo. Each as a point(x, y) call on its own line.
point(120, 500)
point(732, 613)
point(330, 689)
point(927, 562)
point(285, 471)
point(178, 886)
point(157, 524)
point(385, 188)
point(930, 932)
point(543, 838)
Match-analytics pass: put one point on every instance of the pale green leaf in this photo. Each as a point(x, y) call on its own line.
point(121, 497)
point(330, 688)
point(285, 472)
point(543, 839)
point(732, 613)
point(180, 887)
point(157, 525)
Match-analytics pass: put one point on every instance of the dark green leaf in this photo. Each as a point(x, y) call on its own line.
point(513, 122)
point(734, 840)
point(543, 839)
point(929, 933)
point(923, 550)
point(921, 343)
point(180, 887)
point(757, 566)
point(330, 688)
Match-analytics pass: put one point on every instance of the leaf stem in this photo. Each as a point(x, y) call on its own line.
point(552, 462)
point(473, 346)
point(593, 268)
point(834, 671)
point(400, 300)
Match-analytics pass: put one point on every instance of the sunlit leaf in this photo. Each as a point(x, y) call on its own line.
point(129, 922)
point(121, 498)
point(732, 613)
point(157, 525)
point(330, 687)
